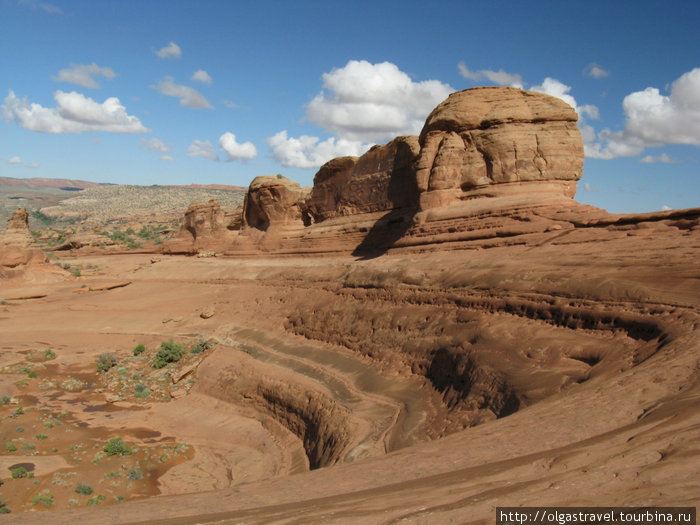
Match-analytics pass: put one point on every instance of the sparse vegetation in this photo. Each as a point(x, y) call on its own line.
point(169, 352)
point(96, 500)
point(3, 508)
point(135, 474)
point(10, 447)
point(105, 362)
point(141, 391)
point(201, 347)
point(117, 447)
point(140, 349)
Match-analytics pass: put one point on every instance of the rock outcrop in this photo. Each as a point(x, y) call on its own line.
point(204, 225)
point(16, 245)
point(382, 179)
point(490, 164)
point(495, 135)
point(274, 201)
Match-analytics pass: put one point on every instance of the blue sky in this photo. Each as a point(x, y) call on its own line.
point(206, 92)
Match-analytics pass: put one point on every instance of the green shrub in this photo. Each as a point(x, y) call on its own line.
point(117, 447)
point(140, 349)
point(44, 497)
point(169, 352)
point(41, 436)
point(3, 508)
point(201, 347)
point(105, 362)
point(28, 446)
point(5, 399)
point(96, 500)
point(49, 354)
point(141, 390)
point(11, 447)
point(135, 474)
point(83, 489)
point(19, 411)
point(19, 472)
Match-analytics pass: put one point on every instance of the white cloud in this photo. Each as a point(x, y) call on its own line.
point(154, 144)
point(74, 113)
point(14, 160)
point(172, 50)
point(595, 71)
point(168, 158)
point(230, 104)
point(308, 152)
point(650, 159)
point(666, 208)
point(374, 102)
point(82, 74)
point(202, 148)
point(32, 165)
point(653, 119)
point(588, 188)
point(202, 76)
point(499, 77)
point(551, 86)
point(236, 151)
point(47, 8)
point(188, 96)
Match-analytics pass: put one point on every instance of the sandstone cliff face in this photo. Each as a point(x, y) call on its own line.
point(274, 201)
point(16, 244)
point(381, 179)
point(496, 135)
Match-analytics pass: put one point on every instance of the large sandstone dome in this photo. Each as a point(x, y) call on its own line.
point(494, 135)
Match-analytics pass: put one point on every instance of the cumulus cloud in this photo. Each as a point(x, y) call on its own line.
point(551, 86)
point(310, 152)
point(14, 160)
point(83, 74)
point(650, 159)
point(236, 151)
point(172, 50)
point(373, 102)
point(595, 71)
point(188, 96)
point(168, 158)
point(202, 148)
point(154, 144)
point(499, 77)
point(202, 76)
point(74, 113)
point(653, 119)
point(32, 165)
point(230, 104)
point(665, 208)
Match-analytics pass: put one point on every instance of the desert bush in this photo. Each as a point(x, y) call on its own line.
point(141, 390)
point(169, 352)
point(117, 447)
point(3, 508)
point(19, 472)
point(10, 447)
point(140, 349)
point(83, 489)
point(44, 497)
point(105, 362)
point(135, 474)
point(96, 500)
point(201, 347)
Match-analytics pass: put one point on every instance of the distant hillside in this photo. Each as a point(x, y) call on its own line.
point(64, 200)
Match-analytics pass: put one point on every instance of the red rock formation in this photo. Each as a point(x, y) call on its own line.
point(204, 225)
point(495, 135)
point(382, 179)
point(16, 244)
point(273, 201)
